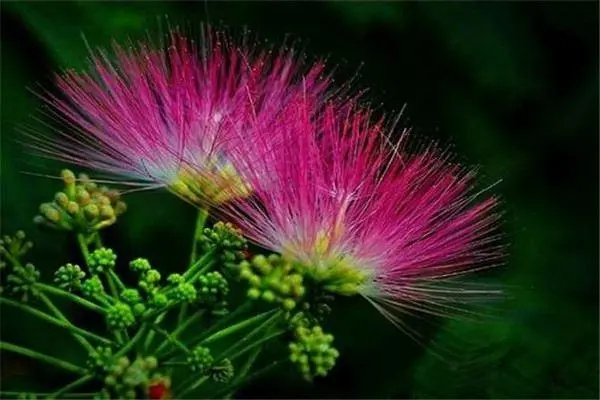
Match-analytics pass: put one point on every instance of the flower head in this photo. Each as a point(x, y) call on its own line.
point(166, 117)
point(362, 217)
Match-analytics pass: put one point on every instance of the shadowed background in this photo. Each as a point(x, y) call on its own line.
point(514, 86)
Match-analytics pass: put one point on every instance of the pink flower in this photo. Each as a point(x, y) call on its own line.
point(362, 216)
point(166, 117)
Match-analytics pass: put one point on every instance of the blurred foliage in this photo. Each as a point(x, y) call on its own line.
point(514, 86)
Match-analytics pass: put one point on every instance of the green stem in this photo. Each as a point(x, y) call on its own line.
point(152, 333)
point(170, 338)
point(218, 325)
point(258, 343)
point(236, 327)
point(83, 247)
point(200, 222)
point(180, 328)
point(247, 338)
point(233, 386)
point(54, 321)
point(133, 341)
point(115, 278)
point(42, 357)
point(245, 368)
point(83, 341)
point(200, 266)
point(193, 387)
point(70, 296)
point(67, 388)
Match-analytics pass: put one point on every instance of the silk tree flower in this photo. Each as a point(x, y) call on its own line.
point(164, 117)
point(359, 216)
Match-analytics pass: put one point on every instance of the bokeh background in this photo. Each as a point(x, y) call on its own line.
point(513, 86)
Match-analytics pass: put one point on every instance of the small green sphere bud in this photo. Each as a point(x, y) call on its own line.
point(91, 211)
point(107, 212)
point(50, 213)
point(200, 359)
point(268, 296)
point(102, 200)
point(159, 300)
point(139, 309)
point(120, 208)
point(289, 304)
point(101, 260)
point(223, 372)
point(184, 292)
point(69, 276)
point(253, 293)
point(120, 316)
point(83, 197)
point(92, 287)
point(67, 176)
point(152, 276)
point(140, 265)
point(175, 279)
point(151, 363)
point(72, 208)
point(61, 199)
point(131, 296)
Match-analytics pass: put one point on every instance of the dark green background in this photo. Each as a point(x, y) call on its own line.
point(514, 86)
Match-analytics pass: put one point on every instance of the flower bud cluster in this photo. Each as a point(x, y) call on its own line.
point(101, 260)
point(21, 279)
point(100, 361)
point(81, 206)
point(222, 372)
point(212, 290)
point(226, 240)
point(200, 360)
point(128, 380)
point(312, 352)
point(69, 276)
point(273, 279)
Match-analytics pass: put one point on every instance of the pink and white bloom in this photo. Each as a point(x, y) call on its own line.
point(165, 117)
point(365, 217)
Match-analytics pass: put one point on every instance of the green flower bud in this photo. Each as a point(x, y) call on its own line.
point(175, 279)
point(212, 288)
point(222, 372)
point(61, 199)
point(120, 207)
point(140, 265)
point(83, 198)
point(131, 296)
point(152, 276)
point(67, 176)
point(69, 276)
point(101, 260)
point(184, 292)
point(200, 359)
point(72, 208)
point(139, 309)
point(21, 282)
point(120, 316)
point(92, 287)
point(91, 212)
point(100, 361)
point(312, 352)
point(159, 300)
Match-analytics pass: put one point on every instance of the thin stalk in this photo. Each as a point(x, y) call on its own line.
point(83, 246)
point(170, 338)
point(193, 386)
point(152, 333)
point(245, 368)
point(230, 389)
point(112, 275)
point(42, 357)
point(133, 341)
point(200, 222)
point(67, 388)
point(70, 296)
point(42, 315)
point(234, 328)
point(259, 342)
point(197, 315)
point(221, 322)
point(83, 341)
point(266, 325)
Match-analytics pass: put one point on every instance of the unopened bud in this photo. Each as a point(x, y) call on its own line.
point(61, 199)
point(106, 212)
point(72, 208)
point(67, 176)
point(120, 207)
point(91, 211)
point(83, 197)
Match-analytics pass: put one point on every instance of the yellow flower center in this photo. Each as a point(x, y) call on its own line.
point(214, 184)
